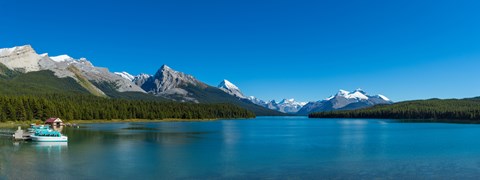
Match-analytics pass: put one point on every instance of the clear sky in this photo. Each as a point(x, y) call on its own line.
point(272, 49)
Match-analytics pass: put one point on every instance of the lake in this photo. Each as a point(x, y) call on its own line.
point(262, 148)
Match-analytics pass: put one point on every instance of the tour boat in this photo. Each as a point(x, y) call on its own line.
point(45, 134)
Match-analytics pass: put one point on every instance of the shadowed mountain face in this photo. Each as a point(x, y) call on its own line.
point(344, 100)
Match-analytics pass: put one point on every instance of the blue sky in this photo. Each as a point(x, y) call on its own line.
point(271, 49)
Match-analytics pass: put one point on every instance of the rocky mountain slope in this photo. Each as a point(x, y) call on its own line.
point(170, 84)
point(24, 59)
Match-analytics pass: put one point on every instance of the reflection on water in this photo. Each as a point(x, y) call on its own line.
point(268, 147)
point(51, 146)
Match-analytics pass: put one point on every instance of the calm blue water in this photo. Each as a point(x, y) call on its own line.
point(263, 148)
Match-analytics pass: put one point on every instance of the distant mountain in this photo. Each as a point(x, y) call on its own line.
point(286, 105)
point(231, 89)
point(344, 100)
point(289, 106)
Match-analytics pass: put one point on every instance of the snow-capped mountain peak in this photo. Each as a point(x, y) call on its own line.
point(360, 91)
point(285, 105)
point(342, 92)
point(125, 75)
point(8, 51)
point(227, 84)
point(291, 102)
point(283, 101)
point(357, 94)
point(230, 88)
point(345, 100)
point(61, 58)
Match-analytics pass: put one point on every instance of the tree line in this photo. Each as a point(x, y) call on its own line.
point(87, 107)
point(433, 109)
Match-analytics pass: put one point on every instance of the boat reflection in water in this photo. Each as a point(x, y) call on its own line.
point(51, 146)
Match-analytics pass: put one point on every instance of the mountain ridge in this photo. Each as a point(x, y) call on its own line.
point(85, 78)
point(166, 83)
point(344, 100)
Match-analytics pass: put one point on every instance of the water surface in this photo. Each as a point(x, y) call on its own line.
point(262, 148)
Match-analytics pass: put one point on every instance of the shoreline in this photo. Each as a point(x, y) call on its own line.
point(11, 124)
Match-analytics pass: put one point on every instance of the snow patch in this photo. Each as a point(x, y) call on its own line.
point(61, 58)
point(125, 75)
point(383, 97)
point(356, 95)
point(230, 88)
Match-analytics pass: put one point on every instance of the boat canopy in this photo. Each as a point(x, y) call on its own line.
point(47, 132)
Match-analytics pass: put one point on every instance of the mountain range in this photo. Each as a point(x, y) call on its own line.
point(289, 106)
point(81, 76)
point(343, 100)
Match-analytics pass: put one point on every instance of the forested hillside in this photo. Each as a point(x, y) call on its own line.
point(41, 82)
point(39, 95)
point(87, 107)
point(432, 109)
